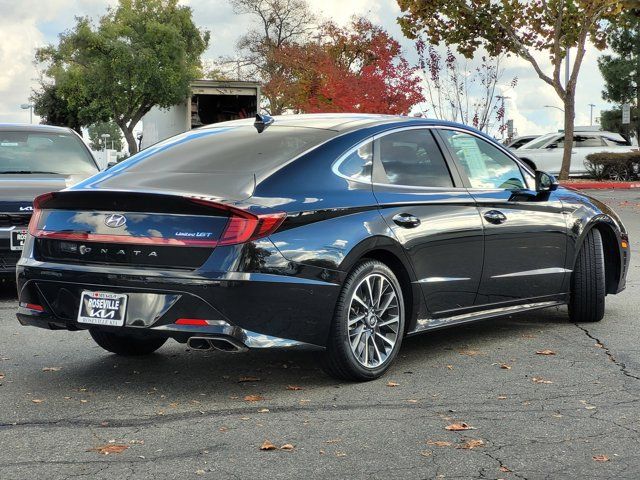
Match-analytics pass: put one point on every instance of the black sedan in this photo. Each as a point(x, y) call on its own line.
point(336, 233)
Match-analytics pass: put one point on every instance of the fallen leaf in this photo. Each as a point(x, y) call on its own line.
point(392, 384)
point(470, 353)
point(600, 458)
point(412, 401)
point(248, 379)
point(1, 376)
point(458, 427)
point(341, 454)
point(136, 442)
point(504, 366)
point(502, 397)
point(426, 453)
point(471, 444)
point(294, 387)
point(450, 367)
point(504, 469)
point(439, 443)
point(287, 446)
point(200, 472)
point(37, 400)
point(253, 398)
point(335, 440)
point(51, 369)
point(263, 410)
point(540, 380)
point(545, 352)
point(109, 449)
point(223, 429)
point(267, 445)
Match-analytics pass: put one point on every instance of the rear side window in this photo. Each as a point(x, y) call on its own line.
point(412, 158)
point(233, 149)
point(587, 141)
point(358, 164)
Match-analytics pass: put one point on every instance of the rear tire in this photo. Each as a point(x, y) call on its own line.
point(368, 324)
point(588, 286)
point(125, 345)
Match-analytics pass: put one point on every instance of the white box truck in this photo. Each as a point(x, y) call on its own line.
point(211, 101)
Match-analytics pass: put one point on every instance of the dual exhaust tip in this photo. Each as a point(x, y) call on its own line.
point(223, 344)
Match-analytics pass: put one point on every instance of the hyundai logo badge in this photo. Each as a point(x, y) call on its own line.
point(115, 220)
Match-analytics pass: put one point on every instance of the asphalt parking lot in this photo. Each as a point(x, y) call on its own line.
point(68, 409)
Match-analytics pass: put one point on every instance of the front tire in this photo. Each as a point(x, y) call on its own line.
point(588, 286)
point(368, 324)
point(125, 345)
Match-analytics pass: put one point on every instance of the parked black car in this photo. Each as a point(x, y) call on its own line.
point(34, 159)
point(339, 233)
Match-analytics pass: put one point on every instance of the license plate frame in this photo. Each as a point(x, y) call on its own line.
point(101, 308)
point(18, 239)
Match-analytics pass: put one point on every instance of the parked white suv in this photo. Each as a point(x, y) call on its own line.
point(546, 151)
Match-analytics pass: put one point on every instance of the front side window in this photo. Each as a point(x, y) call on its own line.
point(485, 165)
point(412, 158)
point(358, 164)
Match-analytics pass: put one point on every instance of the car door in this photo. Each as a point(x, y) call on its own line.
point(432, 215)
point(584, 145)
point(525, 231)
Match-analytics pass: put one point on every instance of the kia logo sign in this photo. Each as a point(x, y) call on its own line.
point(115, 220)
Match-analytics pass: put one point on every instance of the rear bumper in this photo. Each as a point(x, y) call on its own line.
point(257, 310)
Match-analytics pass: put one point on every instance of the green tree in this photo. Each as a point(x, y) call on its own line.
point(141, 54)
point(621, 71)
point(55, 109)
point(611, 120)
point(518, 27)
point(109, 128)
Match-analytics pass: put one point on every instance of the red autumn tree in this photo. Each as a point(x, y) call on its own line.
point(360, 68)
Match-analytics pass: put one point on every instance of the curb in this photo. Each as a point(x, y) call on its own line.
point(601, 185)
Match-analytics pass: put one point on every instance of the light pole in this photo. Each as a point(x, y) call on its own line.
point(28, 106)
point(591, 114)
point(553, 106)
point(104, 139)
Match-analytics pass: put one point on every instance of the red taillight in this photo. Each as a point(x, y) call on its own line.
point(244, 226)
point(33, 306)
point(192, 321)
point(38, 203)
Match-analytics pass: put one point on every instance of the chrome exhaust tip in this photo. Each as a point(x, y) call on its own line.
point(222, 344)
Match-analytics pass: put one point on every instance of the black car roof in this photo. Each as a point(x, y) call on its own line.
point(25, 127)
point(339, 122)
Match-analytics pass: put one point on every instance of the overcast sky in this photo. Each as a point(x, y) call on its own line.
point(28, 24)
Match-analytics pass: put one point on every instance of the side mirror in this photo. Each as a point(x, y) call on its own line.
point(545, 182)
point(111, 164)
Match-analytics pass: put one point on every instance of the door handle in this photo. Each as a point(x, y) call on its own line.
point(406, 220)
point(496, 217)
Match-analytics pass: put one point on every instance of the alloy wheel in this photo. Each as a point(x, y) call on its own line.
point(374, 320)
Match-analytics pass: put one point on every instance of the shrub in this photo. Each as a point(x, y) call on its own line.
point(613, 166)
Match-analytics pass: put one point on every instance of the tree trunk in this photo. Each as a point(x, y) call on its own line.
point(131, 140)
point(569, 118)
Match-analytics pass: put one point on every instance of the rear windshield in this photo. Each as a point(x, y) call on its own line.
point(42, 152)
point(228, 149)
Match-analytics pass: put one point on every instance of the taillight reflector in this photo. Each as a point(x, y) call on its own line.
point(33, 306)
point(192, 321)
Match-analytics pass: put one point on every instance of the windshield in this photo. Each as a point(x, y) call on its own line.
point(44, 152)
point(540, 141)
point(233, 149)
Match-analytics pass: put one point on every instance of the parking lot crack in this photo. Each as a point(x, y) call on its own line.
point(621, 365)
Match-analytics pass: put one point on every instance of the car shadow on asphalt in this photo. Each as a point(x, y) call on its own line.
point(175, 371)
